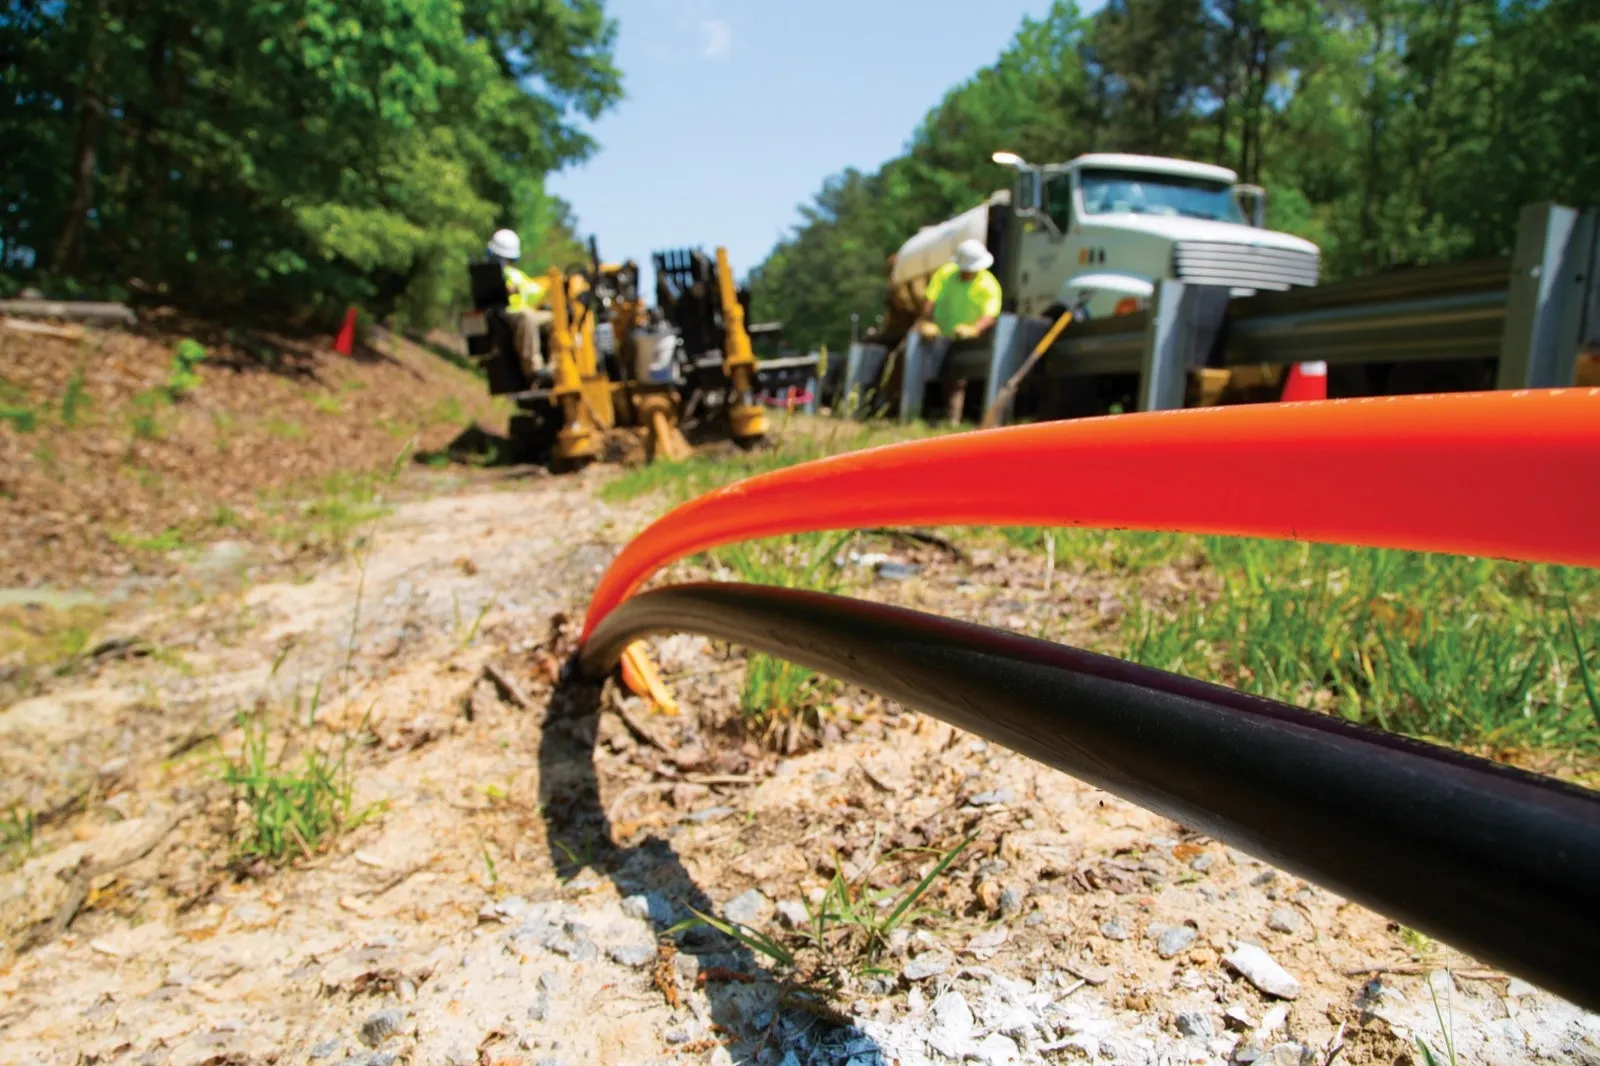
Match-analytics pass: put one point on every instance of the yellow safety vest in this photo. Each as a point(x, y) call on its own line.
point(523, 293)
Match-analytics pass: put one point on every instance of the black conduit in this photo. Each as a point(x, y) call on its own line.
point(1499, 863)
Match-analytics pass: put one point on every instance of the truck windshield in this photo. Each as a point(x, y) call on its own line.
point(1142, 192)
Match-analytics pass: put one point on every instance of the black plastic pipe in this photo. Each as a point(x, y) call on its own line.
point(1500, 863)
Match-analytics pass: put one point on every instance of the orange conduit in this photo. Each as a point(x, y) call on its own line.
point(1507, 474)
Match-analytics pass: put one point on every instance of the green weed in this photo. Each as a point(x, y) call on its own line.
point(22, 419)
point(849, 928)
point(168, 540)
point(72, 401)
point(292, 805)
point(327, 403)
point(145, 414)
point(19, 831)
point(447, 411)
point(284, 428)
point(182, 376)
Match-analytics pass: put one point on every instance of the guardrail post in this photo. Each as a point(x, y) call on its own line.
point(862, 367)
point(1163, 370)
point(914, 377)
point(1007, 350)
point(1550, 296)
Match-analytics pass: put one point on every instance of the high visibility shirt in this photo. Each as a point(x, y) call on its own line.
point(962, 303)
point(524, 293)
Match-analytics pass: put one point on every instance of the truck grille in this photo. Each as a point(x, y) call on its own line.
point(1214, 263)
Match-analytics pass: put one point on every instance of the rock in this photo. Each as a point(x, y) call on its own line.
point(1175, 940)
point(928, 964)
point(1288, 1053)
point(380, 1027)
point(1113, 929)
point(951, 1031)
point(1285, 920)
point(1194, 1023)
point(897, 571)
point(1246, 1053)
point(686, 966)
point(989, 799)
point(1011, 902)
point(1271, 1021)
point(985, 944)
point(1263, 879)
point(1089, 972)
point(324, 1049)
point(792, 913)
point(634, 956)
point(649, 907)
point(549, 1060)
point(1202, 863)
point(677, 1036)
point(1257, 967)
point(553, 981)
point(1239, 1019)
point(747, 908)
point(996, 1050)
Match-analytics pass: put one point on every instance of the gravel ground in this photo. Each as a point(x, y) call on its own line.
point(538, 840)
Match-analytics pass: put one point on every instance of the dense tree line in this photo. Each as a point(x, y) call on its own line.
point(1391, 132)
point(287, 156)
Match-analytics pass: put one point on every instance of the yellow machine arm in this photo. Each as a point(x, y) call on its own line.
point(749, 419)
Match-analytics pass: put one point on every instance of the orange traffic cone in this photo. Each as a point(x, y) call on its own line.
point(345, 342)
point(1307, 381)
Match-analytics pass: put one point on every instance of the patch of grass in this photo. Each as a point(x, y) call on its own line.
point(1471, 652)
point(36, 641)
point(293, 803)
point(284, 428)
point(168, 540)
point(847, 930)
point(19, 417)
point(182, 375)
point(146, 412)
point(448, 411)
point(73, 399)
point(19, 831)
point(327, 403)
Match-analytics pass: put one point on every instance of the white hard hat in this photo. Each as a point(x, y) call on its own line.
point(972, 256)
point(505, 244)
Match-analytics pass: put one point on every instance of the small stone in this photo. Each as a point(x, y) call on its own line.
point(747, 908)
point(1239, 1019)
point(792, 913)
point(324, 1049)
point(1113, 929)
point(379, 1058)
point(549, 1060)
point(928, 964)
point(1288, 1053)
point(634, 956)
point(1246, 1054)
point(1175, 940)
point(553, 981)
point(380, 1027)
point(951, 1031)
point(1202, 863)
point(650, 907)
point(996, 1050)
point(1257, 967)
point(1194, 1023)
point(687, 967)
point(1263, 879)
point(1010, 902)
point(990, 799)
point(1285, 920)
point(897, 571)
point(1518, 988)
point(677, 1036)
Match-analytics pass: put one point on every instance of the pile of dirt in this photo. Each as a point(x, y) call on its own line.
point(112, 456)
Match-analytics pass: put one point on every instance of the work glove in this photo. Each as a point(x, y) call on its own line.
point(927, 330)
point(966, 332)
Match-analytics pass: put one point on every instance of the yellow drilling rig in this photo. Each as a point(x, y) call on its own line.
point(612, 364)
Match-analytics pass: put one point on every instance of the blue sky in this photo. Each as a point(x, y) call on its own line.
point(737, 109)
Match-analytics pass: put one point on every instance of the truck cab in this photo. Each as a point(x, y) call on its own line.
point(1099, 232)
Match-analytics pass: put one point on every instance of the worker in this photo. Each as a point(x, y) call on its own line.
point(962, 302)
point(525, 298)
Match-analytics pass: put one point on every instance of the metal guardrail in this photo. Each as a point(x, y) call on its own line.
point(1532, 313)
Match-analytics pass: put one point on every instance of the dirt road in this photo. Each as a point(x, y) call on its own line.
point(530, 843)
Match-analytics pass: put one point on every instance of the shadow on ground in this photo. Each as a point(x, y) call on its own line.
point(752, 1015)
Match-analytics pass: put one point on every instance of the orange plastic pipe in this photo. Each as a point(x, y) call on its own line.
point(1507, 474)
